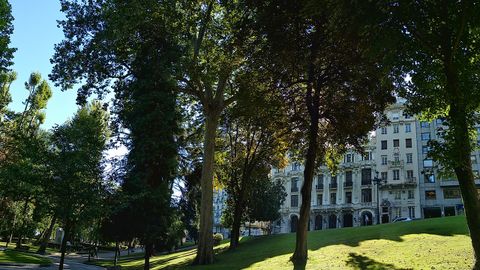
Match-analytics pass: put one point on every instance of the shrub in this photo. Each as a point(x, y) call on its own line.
point(217, 239)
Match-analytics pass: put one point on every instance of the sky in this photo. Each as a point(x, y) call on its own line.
point(35, 34)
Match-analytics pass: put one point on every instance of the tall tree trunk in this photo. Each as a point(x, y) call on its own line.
point(148, 254)
point(205, 240)
point(301, 250)
point(9, 240)
point(46, 236)
point(237, 221)
point(312, 101)
point(22, 226)
point(117, 251)
point(63, 247)
point(462, 145)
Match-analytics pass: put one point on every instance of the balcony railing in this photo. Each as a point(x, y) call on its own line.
point(319, 187)
point(333, 185)
point(395, 163)
point(348, 184)
point(411, 180)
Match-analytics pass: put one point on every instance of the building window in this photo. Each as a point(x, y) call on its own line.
point(384, 175)
point(409, 158)
point(384, 160)
point(366, 176)
point(425, 136)
point(294, 201)
point(411, 194)
point(384, 130)
point(408, 143)
point(424, 124)
point(430, 195)
point(320, 181)
point(294, 184)
point(349, 158)
point(409, 174)
point(408, 128)
point(384, 145)
point(333, 198)
point(396, 174)
point(295, 166)
point(395, 116)
point(411, 211)
point(396, 158)
point(439, 121)
point(398, 195)
point(395, 128)
point(319, 199)
point(407, 116)
point(425, 149)
point(367, 156)
point(348, 176)
point(396, 143)
point(348, 197)
point(429, 178)
point(451, 193)
point(473, 158)
point(367, 195)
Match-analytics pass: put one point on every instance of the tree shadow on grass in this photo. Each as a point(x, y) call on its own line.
point(359, 262)
point(265, 247)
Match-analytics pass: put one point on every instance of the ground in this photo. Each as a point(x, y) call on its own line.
point(441, 243)
point(11, 256)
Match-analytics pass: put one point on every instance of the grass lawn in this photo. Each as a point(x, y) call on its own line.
point(441, 243)
point(12, 256)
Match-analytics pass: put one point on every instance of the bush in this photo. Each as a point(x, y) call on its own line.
point(217, 239)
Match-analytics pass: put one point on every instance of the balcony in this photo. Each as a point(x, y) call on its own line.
point(319, 187)
point(407, 183)
point(294, 189)
point(333, 185)
point(348, 184)
point(395, 163)
point(449, 183)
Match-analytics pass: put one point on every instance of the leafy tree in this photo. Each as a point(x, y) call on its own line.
point(6, 29)
point(250, 147)
point(78, 185)
point(103, 38)
point(432, 48)
point(24, 165)
point(336, 93)
point(266, 200)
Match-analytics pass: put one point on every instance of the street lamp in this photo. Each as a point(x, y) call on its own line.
point(378, 182)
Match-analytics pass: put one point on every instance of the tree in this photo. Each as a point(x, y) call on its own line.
point(102, 39)
point(251, 146)
point(6, 29)
point(431, 48)
point(78, 185)
point(24, 148)
point(336, 93)
point(266, 200)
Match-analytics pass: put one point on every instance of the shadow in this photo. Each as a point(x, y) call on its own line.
point(258, 249)
point(359, 262)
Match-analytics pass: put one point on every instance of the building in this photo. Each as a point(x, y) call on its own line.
point(392, 179)
point(219, 204)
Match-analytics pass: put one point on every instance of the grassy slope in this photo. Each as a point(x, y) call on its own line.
point(441, 243)
point(11, 256)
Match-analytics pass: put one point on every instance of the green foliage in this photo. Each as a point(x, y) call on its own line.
point(77, 185)
point(6, 29)
point(217, 239)
point(266, 200)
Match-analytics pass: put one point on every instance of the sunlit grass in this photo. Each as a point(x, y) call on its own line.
point(441, 243)
point(12, 256)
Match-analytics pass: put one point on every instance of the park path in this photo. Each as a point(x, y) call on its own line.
point(71, 262)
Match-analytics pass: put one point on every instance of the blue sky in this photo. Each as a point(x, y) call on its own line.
point(34, 36)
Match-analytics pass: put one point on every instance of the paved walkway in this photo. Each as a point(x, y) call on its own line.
point(71, 262)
